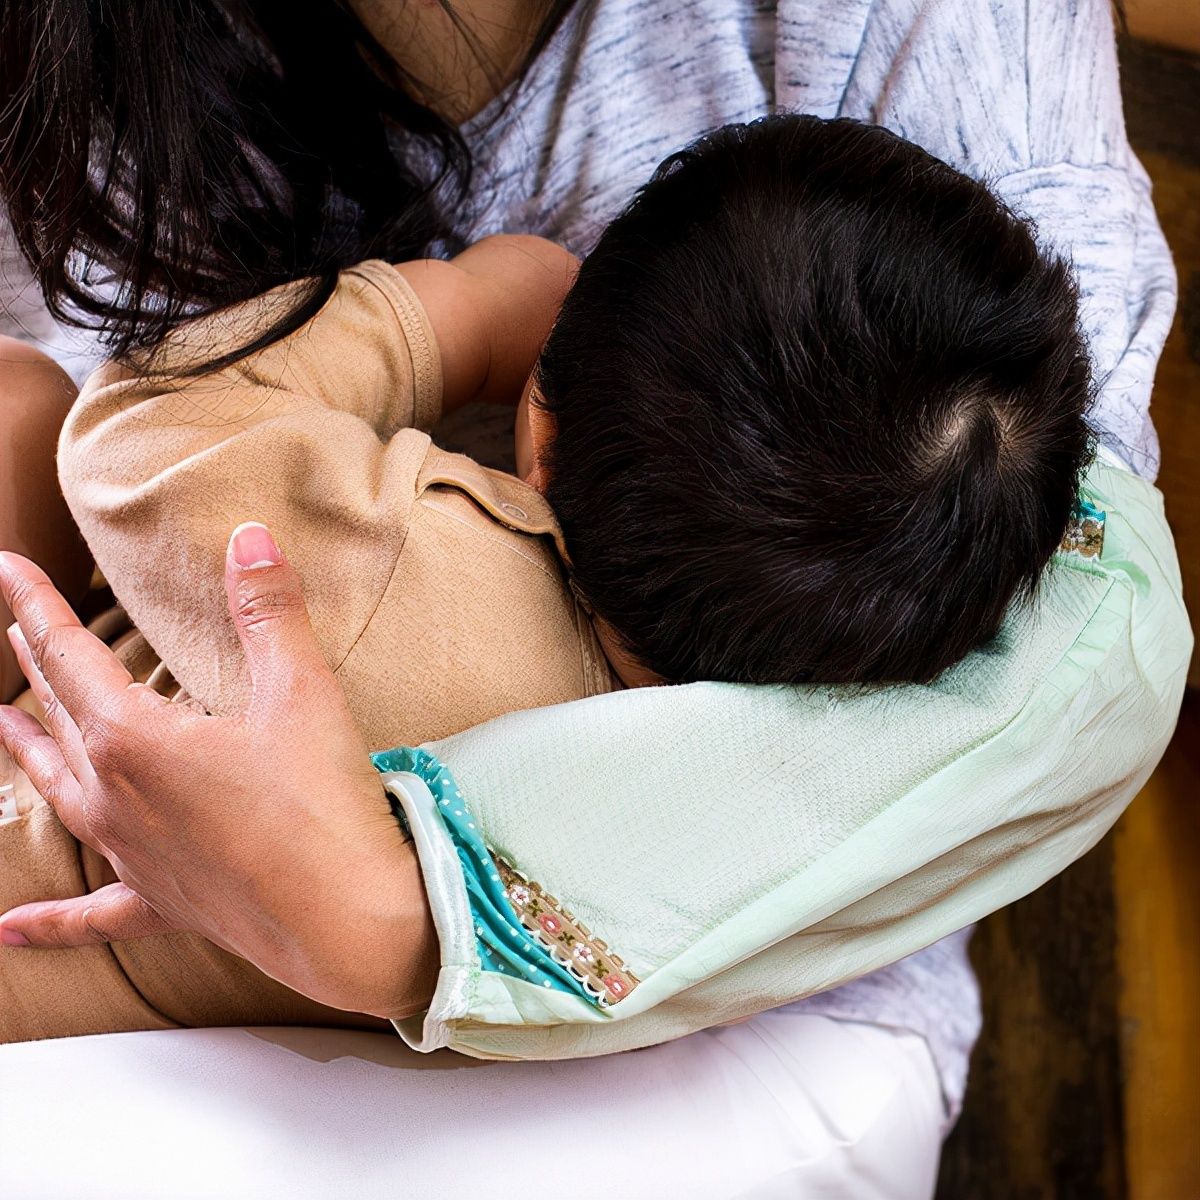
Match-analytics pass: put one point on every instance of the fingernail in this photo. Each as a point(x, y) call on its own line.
point(10, 937)
point(253, 546)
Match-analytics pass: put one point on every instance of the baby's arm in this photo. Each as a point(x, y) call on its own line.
point(35, 393)
point(492, 308)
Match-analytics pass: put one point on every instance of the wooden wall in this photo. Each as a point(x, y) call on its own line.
point(1166, 22)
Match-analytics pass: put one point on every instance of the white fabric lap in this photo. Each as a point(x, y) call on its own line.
point(787, 1105)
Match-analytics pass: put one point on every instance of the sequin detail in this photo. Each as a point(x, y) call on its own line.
point(1085, 534)
point(569, 941)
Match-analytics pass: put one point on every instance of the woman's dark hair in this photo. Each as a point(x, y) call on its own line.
point(820, 410)
point(161, 159)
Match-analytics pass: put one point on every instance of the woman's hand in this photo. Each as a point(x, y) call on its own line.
point(266, 832)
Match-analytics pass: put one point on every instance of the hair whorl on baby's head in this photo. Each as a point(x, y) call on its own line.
point(820, 410)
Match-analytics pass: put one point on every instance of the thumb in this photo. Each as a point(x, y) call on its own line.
point(111, 914)
point(268, 610)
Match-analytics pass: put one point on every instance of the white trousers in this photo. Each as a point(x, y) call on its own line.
point(785, 1105)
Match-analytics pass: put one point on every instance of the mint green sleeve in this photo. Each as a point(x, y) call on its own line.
point(724, 849)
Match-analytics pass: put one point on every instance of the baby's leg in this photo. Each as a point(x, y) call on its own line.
point(35, 394)
point(155, 983)
point(52, 993)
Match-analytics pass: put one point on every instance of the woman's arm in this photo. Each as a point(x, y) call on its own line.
point(615, 872)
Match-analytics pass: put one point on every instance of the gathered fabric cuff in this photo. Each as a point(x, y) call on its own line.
point(490, 919)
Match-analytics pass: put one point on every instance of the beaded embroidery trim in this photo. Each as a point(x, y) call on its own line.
point(588, 959)
point(1085, 534)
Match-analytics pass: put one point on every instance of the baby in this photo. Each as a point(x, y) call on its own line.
point(813, 410)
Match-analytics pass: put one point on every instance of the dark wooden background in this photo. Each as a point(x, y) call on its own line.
point(1063, 1102)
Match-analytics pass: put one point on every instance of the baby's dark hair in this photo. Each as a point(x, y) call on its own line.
point(820, 410)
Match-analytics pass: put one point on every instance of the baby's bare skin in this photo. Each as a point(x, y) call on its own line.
point(35, 394)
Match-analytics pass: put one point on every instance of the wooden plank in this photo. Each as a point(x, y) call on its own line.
point(1157, 843)
point(1157, 867)
point(1162, 104)
point(1043, 1114)
point(1168, 22)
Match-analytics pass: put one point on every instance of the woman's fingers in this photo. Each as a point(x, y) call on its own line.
point(267, 605)
point(62, 725)
point(79, 669)
point(112, 914)
point(40, 757)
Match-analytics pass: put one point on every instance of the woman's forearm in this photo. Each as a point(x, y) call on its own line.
point(369, 945)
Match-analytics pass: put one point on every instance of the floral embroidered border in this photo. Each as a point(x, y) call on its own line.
point(587, 958)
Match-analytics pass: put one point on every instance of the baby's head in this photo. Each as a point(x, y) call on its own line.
point(818, 410)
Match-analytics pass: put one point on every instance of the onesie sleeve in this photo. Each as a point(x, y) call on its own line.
point(314, 435)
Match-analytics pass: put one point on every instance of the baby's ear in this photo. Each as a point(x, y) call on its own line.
point(537, 478)
point(542, 430)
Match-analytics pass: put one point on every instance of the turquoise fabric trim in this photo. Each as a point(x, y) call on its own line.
point(502, 943)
